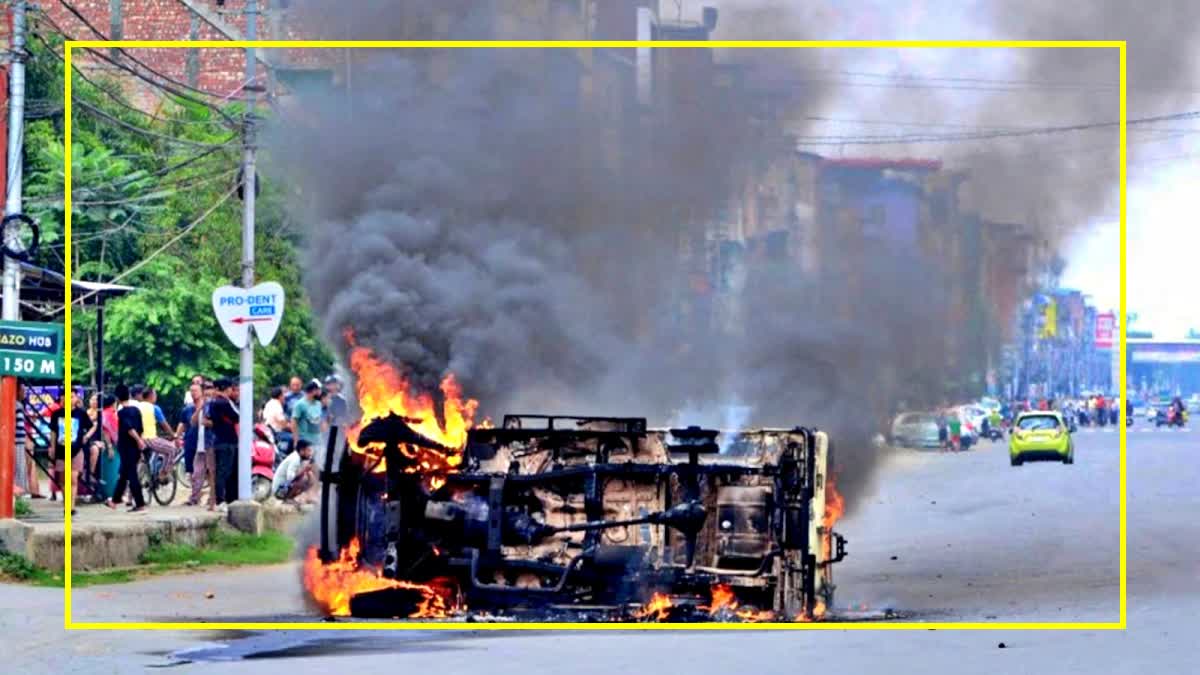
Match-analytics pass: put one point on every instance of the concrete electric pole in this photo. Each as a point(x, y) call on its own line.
point(12, 268)
point(246, 379)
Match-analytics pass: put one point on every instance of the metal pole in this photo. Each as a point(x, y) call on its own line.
point(100, 350)
point(246, 381)
point(12, 270)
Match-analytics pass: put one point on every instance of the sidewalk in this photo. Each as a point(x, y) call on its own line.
point(102, 538)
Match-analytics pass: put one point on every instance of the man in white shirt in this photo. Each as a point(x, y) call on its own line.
point(275, 417)
point(294, 475)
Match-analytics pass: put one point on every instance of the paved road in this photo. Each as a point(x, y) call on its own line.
point(1037, 542)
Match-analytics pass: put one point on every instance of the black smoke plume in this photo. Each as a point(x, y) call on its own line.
point(487, 223)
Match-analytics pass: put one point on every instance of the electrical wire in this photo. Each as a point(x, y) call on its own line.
point(989, 135)
point(987, 81)
point(174, 90)
point(114, 96)
point(953, 125)
point(124, 52)
point(122, 182)
point(138, 265)
point(147, 133)
point(175, 189)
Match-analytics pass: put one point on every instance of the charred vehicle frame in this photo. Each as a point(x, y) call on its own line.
point(587, 515)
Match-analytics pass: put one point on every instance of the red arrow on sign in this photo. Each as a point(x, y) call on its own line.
point(246, 319)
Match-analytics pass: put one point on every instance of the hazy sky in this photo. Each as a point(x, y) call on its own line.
point(1162, 249)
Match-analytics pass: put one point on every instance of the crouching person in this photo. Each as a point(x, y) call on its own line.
point(296, 476)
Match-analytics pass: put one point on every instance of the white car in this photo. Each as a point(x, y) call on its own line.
point(916, 430)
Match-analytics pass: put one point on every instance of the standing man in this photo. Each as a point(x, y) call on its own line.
point(186, 430)
point(295, 393)
point(130, 446)
point(188, 398)
point(223, 418)
point(24, 468)
point(308, 416)
point(338, 412)
point(274, 417)
point(63, 445)
point(205, 464)
point(955, 431)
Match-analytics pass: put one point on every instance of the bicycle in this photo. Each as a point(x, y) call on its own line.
point(158, 475)
point(181, 473)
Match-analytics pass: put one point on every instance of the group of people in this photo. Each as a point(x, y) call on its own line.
point(290, 427)
point(96, 429)
point(295, 420)
point(1094, 410)
point(129, 426)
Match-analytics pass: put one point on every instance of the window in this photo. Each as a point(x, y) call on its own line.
point(1038, 423)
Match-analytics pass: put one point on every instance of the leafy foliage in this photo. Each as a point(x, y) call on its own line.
point(140, 186)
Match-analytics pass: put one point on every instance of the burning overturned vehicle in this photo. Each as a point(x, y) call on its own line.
point(575, 518)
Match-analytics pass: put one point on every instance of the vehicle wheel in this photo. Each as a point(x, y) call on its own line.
point(162, 488)
point(260, 488)
point(182, 476)
point(144, 471)
point(1016, 461)
point(1070, 459)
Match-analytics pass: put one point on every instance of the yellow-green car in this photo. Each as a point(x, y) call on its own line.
point(1040, 436)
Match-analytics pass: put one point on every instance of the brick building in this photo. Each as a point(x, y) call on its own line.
point(215, 71)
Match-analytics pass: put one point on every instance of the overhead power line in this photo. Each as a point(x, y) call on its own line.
point(116, 97)
point(918, 81)
point(985, 135)
point(146, 132)
point(161, 81)
point(959, 125)
point(154, 254)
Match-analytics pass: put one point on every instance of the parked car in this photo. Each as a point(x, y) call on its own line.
point(990, 404)
point(972, 424)
point(915, 430)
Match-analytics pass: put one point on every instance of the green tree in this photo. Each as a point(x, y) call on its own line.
point(152, 207)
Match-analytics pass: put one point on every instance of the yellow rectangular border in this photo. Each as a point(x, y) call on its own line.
point(70, 45)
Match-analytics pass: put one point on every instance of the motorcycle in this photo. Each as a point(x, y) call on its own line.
point(262, 463)
point(1170, 418)
point(283, 445)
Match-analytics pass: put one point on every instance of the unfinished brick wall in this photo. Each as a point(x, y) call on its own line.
point(217, 71)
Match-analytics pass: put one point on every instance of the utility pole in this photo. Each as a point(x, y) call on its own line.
point(246, 379)
point(12, 268)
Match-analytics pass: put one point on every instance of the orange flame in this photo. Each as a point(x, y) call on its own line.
point(659, 608)
point(835, 506)
point(723, 599)
point(333, 585)
point(817, 613)
point(382, 389)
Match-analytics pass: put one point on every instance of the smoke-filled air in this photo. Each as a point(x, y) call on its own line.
point(540, 234)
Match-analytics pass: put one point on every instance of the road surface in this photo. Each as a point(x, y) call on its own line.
point(974, 539)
